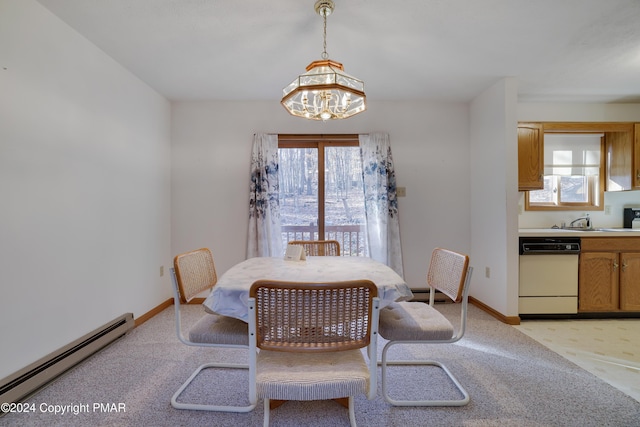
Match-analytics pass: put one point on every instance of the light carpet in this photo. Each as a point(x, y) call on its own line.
point(512, 379)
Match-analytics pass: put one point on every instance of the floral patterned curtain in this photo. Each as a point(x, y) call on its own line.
point(381, 203)
point(264, 237)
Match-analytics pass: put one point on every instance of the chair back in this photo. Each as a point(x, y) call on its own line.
point(319, 247)
point(313, 317)
point(195, 272)
point(448, 273)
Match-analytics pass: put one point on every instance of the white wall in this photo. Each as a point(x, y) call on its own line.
point(494, 196)
point(84, 187)
point(541, 112)
point(211, 143)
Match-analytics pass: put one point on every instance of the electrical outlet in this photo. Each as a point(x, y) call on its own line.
point(161, 270)
point(607, 209)
point(520, 209)
point(487, 272)
point(401, 191)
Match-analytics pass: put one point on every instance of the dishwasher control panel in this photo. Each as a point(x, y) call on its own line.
point(549, 245)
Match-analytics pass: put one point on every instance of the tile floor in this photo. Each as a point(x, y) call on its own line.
point(608, 348)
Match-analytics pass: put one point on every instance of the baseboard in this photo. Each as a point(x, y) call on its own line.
point(168, 303)
point(509, 320)
point(148, 315)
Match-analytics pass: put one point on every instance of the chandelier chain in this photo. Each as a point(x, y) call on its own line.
point(324, 55)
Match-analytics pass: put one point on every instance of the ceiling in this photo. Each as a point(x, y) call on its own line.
point(444, 50)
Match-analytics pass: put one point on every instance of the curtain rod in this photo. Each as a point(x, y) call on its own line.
point(305, 137)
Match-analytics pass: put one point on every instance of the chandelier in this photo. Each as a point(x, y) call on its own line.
point(325, 91)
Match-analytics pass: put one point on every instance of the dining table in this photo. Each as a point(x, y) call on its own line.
point(230, 295)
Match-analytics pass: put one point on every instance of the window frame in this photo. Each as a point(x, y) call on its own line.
point(596, 199)
point(319, 141)
point(589, 205)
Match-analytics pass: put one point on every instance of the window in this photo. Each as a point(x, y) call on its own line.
point(321, 194)
point(573, 173)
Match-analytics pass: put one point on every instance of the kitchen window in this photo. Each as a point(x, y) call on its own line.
point(573, 173)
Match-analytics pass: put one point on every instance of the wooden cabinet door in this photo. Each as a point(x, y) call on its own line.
point(598, 288)
point(530, 156)
point(630, 281)
point(619, 169)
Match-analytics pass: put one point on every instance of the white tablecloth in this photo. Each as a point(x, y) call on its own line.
point(230, 296)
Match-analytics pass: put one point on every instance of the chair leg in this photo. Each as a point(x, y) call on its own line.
point(395, 402)
point(201, 407)
point(347, 402)
point(267, 407)
point(352, 412)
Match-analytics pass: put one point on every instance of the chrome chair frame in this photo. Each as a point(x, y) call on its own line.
point(462, 298)
point(177, 299)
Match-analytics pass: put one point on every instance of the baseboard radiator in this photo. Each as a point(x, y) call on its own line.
point(29, 379)
point(422, 295)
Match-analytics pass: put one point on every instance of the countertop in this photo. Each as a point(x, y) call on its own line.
point(597, 232)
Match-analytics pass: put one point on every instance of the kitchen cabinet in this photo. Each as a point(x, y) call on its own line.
point(598, 286)
point(622, 152)
point(623, 159)
point(619, 167)
point(530, 156)
point(608, 276)
point(630, 281)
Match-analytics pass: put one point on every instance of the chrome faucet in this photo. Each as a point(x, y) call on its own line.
point(586, 219)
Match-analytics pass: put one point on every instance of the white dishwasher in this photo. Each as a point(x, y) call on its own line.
point(548, 282)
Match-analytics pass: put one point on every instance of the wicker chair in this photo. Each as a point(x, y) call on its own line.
point(319, 247)
point(419, 323)
point(193, 273)
point(310, 337)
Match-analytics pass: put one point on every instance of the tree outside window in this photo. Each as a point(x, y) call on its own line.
point(321, 192)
